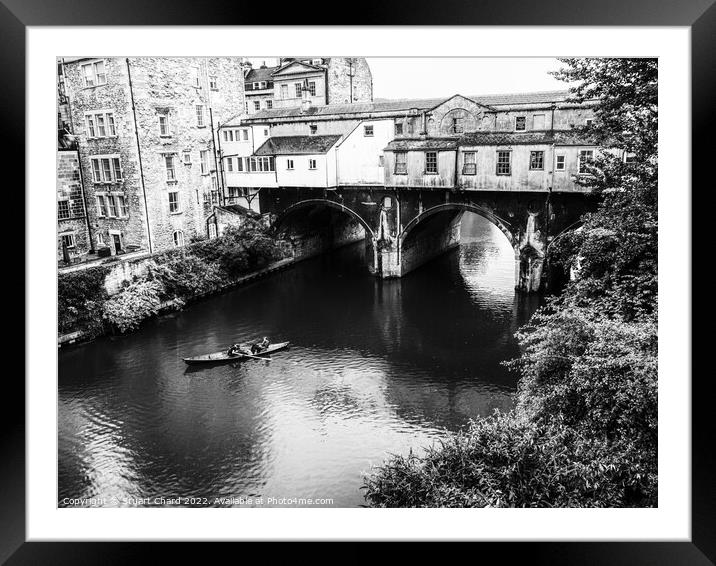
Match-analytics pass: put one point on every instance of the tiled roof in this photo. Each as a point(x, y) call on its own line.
point(355, 108)
point(295, 145)
point(558, 137)
point(411, 144)
point(259, 75)
point(541, 97)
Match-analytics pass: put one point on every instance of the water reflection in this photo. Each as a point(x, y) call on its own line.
point(374, 367)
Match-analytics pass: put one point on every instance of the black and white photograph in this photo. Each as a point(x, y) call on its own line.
point(349, 281)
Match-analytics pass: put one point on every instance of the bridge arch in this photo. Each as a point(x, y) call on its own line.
point(459, 207)
point(283, 218)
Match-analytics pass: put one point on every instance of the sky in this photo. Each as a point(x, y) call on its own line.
point(423, 77)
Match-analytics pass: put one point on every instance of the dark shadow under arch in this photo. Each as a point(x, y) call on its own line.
point(282, 219)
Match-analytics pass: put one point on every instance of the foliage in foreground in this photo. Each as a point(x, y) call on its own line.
point(133, 304)
point(584, 430)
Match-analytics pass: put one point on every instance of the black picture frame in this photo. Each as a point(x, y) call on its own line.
point(699, 15)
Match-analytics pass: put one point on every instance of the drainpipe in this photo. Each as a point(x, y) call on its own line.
point(216, 162)
point(139, 155)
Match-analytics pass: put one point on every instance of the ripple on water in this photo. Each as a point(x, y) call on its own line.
point(374, 368)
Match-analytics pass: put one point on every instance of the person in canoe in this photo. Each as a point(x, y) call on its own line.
point(234, 350)
point(261, 346)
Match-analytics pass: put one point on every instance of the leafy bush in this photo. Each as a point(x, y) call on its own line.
point(185, 275)
point(133, 304)
point(80, 295)
point(241, 249)
point(505, 461)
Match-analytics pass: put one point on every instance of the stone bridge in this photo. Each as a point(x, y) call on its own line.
point(404, 228)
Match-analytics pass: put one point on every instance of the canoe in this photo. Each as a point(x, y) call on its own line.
point(217, 357)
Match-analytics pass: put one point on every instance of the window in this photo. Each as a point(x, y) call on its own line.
point(246, 135)
point(312, 88)
point(257, 105)
point(200, 115)
point(313, 128)
point(228, 135)
point(520, 123)
point(195, 76)
point(536, 160)
point(178, 238)
point(117, 169)
point(431, 162)
point(213, 85)
point(187, 158)
point(63, 209)
point(266, 133)
point(284, 91)
point(629, 157)
point(311, 163)
point(298, 88)
point(229, 164)
point(538, 122)
point(101, 206)
point(589, 122)
point(254, 86)
point(236, 192)
point(68, 240)
point(239, 163)
point(100, 125)
point(112, 206)
point(101, 130)
point(381, 161)
point(316, 61)
point(503, 163)
point(212, 230)
point(262, 84)
point(269, 104)
point(401, 163)
point(586, 156)
point(204, 160)
point(560, 163)
point(399, 129)
point(164, 125)
point(123, 207)
point(94, 74)
point(368, 131)
point(261, 164)
point(289, 164)
point(469, 166)
point(174, 202)
point(457, 125)
point(106, 169)
point(169, 163)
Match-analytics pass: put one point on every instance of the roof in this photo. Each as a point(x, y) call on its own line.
point(540, 97)
point(296, 145)
point(259, 75)
point(238, 209)
point(534, 137)
point(355, 108)
point(410, 144)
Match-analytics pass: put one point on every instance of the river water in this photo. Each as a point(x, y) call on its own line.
point(375, 367)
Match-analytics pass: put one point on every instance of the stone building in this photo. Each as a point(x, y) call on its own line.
point(312, 81)
point(146, 141)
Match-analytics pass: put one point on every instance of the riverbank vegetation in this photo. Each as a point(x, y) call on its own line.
point(584, 429)
point(172, 279)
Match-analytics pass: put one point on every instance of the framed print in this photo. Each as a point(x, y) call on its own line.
point(361, 283)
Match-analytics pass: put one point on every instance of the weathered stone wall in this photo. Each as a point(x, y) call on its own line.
point(426, 243)
point(564, 118)
point(69, 188)
point(161, 87)
point(110, 97)
point(339, 80)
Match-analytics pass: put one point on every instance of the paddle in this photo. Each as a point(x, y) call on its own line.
point(257, 357)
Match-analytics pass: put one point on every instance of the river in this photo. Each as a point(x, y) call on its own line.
point(374, 367)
